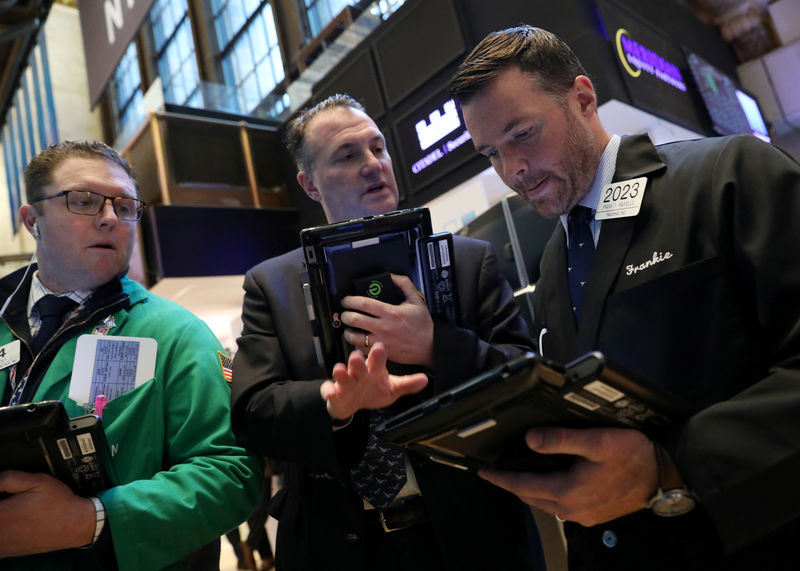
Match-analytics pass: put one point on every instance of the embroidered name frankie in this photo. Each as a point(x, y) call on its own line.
point(657, 258)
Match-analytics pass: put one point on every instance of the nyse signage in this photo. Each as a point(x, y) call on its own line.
point(654, 68)
point(108, 26)
point(635, 57)
point(433, 140)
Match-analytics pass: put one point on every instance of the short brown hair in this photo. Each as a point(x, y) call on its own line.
point(552, 63)
point(297, 131)
point(39, 172)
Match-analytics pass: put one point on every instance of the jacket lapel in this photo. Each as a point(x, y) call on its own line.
point(637, 157)
point(557, 341)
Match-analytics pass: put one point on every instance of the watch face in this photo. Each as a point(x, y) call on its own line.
point(673, 502)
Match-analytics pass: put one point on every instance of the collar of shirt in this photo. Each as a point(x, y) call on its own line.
point(603, 177)
point(38, 291)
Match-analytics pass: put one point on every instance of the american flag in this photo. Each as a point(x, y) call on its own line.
point(227, 365)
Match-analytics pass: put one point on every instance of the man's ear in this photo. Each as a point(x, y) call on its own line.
point(305, 180)
point(29, 216)
point(585, 93)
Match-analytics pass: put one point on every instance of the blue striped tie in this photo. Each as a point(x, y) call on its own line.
point(52, 309)
point(579, 255)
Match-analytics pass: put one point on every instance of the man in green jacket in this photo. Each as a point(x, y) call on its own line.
point(182, 480)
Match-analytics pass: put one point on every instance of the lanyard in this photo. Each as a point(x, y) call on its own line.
point(19, 387)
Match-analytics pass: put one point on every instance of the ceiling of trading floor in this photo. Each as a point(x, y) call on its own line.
point(20, 21)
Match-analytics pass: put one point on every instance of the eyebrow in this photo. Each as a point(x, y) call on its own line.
point(350, 144)
point(80, 189)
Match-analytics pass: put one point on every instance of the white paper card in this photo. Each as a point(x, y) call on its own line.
point(110, 366)
point(9, 354)
point(621, 199)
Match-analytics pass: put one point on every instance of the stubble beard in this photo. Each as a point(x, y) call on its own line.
point(577, 168)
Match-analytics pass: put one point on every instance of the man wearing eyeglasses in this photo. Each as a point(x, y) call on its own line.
point(183, 482)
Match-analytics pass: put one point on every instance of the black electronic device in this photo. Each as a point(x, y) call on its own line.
point(40, 437)
point(345, 258)
point(732, 110)
point(483, 421)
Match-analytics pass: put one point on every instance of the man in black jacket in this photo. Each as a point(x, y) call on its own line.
point(286, 406)
point(692, 288)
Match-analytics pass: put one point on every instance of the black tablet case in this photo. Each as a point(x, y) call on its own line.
point(40, 437)
point(340, 257)
point(483, 421)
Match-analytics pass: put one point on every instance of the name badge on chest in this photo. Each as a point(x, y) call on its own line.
point(621, 199)
point(9, 354)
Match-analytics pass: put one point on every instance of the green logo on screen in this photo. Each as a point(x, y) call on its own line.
point(375, 288)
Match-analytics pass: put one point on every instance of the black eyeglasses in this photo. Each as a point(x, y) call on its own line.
point(90, 203)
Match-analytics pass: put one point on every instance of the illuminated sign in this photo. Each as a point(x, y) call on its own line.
point(439, 125)
point(635, 57)
point(433, 140)
point(440, 152)
point(731, 110)
point(652, 67)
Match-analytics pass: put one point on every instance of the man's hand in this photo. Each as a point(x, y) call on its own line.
point(366, 384)
point(406, 330)
point(615, 474)
point(42, 514)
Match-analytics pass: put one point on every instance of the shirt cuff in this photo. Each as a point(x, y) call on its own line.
point(99, 519)
point(338, 424)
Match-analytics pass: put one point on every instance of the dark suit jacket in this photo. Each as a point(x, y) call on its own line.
point(277, 411)
point(700, 295)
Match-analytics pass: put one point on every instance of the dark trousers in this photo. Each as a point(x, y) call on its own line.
point(257, 534)
point(206, 558)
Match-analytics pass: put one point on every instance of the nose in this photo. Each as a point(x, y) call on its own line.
point(107, 214)
point(371, 165)
point(515, 166)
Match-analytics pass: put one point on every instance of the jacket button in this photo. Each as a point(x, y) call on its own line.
point(609, 538)
point(351, 537)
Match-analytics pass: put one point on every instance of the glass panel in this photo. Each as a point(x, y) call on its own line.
point(321, 12)
point(250, 6)
point(244, 54)
point(177, 64)
point(258, 39)
point(277, 67)
point(272, 30)
point(127, 90)
point(252, 65)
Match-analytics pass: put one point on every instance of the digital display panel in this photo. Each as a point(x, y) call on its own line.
point(653, 68)
point(732, 110)
point(433, 140)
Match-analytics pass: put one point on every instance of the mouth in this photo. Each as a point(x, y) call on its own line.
point(103, 246)
point(375, 188)
point(534, 190)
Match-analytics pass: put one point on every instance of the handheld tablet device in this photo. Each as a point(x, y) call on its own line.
point(355, 257)
point(483, 421)
point(40, 437)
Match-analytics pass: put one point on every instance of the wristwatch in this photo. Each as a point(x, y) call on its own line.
point(672, 498)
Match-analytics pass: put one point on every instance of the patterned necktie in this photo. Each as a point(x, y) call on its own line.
point(579, 255)
point(52, 309)
point(382, 471)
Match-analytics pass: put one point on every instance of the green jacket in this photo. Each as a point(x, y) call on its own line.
point(183, 480)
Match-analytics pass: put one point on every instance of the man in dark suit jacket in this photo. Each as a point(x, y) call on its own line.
point(696, 293)
point(286, 406)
